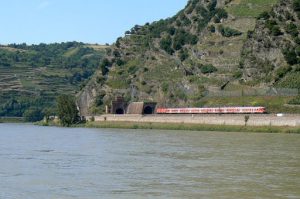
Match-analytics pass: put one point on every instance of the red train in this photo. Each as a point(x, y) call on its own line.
point(218, 110)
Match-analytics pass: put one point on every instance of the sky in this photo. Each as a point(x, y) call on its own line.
point(88, 21)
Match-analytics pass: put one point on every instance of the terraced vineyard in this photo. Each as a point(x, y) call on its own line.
point(31, 77)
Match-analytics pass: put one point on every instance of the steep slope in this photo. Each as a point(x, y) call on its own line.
point(176, 61)
point(33, 76)
point(271, 53)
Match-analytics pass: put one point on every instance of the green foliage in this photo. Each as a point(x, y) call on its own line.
point(275, 31)
point(251, 8)
point(183, 54)
point(264, 15)
point(166, 44)
point(229, 32)
point(290, 56)
point(212, 28)
point(282, 71)
point(295, 101)
point(33, 75)
point(291, 80)
point(156, 28)
point(105, 64)
point(220, 14)
point(165, 87)
point(67, 110)
point(182, 37)
point(238, 74)
point(171, 30)
point(208, 69)
point(296, 5)
point(33, 115)
point(291, 28)
point(273, 27)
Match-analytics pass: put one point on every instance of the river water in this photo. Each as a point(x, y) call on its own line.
point(60, 163)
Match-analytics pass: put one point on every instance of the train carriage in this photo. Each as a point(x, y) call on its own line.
point(213, 110)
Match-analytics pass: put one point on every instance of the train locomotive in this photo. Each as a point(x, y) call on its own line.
point(213, 110)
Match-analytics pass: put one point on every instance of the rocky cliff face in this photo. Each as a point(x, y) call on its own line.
point(269, 53)
point(208, 45)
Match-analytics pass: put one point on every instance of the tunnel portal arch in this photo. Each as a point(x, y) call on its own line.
point(148, 110)
point(120, 111)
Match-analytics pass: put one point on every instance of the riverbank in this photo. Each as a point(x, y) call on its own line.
point(179, 126)
point(191, 127)
point(12, 120)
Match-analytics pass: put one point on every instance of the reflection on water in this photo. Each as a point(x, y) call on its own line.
point(45, 162)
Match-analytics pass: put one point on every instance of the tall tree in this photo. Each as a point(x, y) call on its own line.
point(67, 110)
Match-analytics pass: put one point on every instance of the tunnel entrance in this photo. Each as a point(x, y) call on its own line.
point(119, 111)
point(148, 110)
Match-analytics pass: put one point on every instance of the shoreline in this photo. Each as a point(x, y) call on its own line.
point(192, 127)
point(178, 126)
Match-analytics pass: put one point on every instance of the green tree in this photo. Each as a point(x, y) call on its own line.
point(208, 69)
point(33, 115)
point(166, 44)
point(67, 110)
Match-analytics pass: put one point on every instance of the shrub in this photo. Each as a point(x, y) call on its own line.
point(182, 37)
point(282, 71)
point(166, 44)
point(212, 28)
point(291, 28)
point(264, 15)
point(270, 24)
point(290, 56)
point(275, 31)
point(229, 32)
point(183, 54)
point(220, 14)
point(296, 5)
point(33, 115)
point(295, 100)
point(208, 69)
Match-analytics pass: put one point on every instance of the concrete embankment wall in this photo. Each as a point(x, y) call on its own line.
point(254, 120)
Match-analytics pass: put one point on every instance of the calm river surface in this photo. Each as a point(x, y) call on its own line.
point(58, 163)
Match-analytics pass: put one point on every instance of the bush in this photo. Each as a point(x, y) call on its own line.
point(166, 44)
point(220, 14)
point(182, 37)
point(183, 54)
point(291, 28)
point(270, 24)
point(291, 56)
point(282, 71)
point(264, 15)
point(295, 100)
point(33, 115)
point(208, 69)
point(229, 32)
point(212, 28)
point(296, 5)
point(275, 31)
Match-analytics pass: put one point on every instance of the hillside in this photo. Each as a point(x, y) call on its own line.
point(32, 76)
point(206, 47)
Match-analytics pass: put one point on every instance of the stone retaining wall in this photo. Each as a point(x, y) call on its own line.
point(254, 120)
